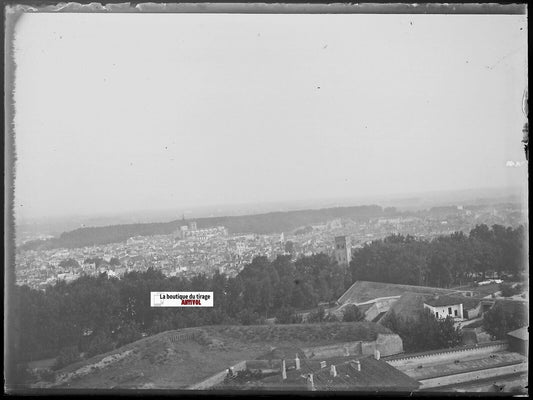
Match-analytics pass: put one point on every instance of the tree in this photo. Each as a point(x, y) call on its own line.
point(482, 232)
point(266, 295)
point(425, 332)
point(351, 313)
point(507, 290)
point(330, 317)
point(128, 333)
point(248, 317)
point(500, 320)
point(234, 296)
point(114, 261)
point(495, 322)
point(69, 262)
point(219, 284)
point(289, 246)
point(101, 343)
point(288, 315)
point(448, 334)
point(317, 316)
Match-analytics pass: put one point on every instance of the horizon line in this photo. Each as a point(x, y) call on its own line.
point(373, 201)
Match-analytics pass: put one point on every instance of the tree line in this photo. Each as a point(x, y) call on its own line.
point(446, 261)
point(94, 314)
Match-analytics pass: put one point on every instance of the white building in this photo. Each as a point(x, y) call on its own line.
point(445, 306)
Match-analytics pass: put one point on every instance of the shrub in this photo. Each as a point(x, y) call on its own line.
point(203, 338)
point(317, 316)
point(508, 290)
point(331, 318)
point(352, 314)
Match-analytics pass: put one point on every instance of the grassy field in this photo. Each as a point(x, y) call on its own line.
point(156, 362)
point(362, 291)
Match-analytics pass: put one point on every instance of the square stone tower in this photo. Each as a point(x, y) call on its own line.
point(343, 250)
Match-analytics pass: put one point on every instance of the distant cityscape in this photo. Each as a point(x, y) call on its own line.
point(190, 251)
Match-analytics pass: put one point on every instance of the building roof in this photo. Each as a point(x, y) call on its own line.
point(374, 375)
point(442, 301)
point(362, 291)
point(521, 333)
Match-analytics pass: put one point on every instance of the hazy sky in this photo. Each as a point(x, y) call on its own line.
point(118, 112)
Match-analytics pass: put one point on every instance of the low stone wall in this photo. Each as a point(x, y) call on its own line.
point(217, 378)
point(473, 376)
point(191, 334)
point(334, 350)
point(387, 344)
point(444, 355)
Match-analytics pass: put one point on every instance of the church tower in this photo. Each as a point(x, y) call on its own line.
point(343, 250)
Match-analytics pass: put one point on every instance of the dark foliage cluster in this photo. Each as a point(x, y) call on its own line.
point(352, 313)
point(509, 290)
point(424, 332)
point(503, 318)
point(446, 261)
point(95, 314)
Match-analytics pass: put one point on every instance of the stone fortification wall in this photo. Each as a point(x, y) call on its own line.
point(448, 354)
point(387, 344)
point(191, 334)
point(473, 376)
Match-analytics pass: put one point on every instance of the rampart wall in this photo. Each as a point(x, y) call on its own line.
point(473, 375)
point(449, 354)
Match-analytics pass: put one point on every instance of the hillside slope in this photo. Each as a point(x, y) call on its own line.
point(163, 363)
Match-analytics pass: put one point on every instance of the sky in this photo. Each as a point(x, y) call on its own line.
point(125, 112)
